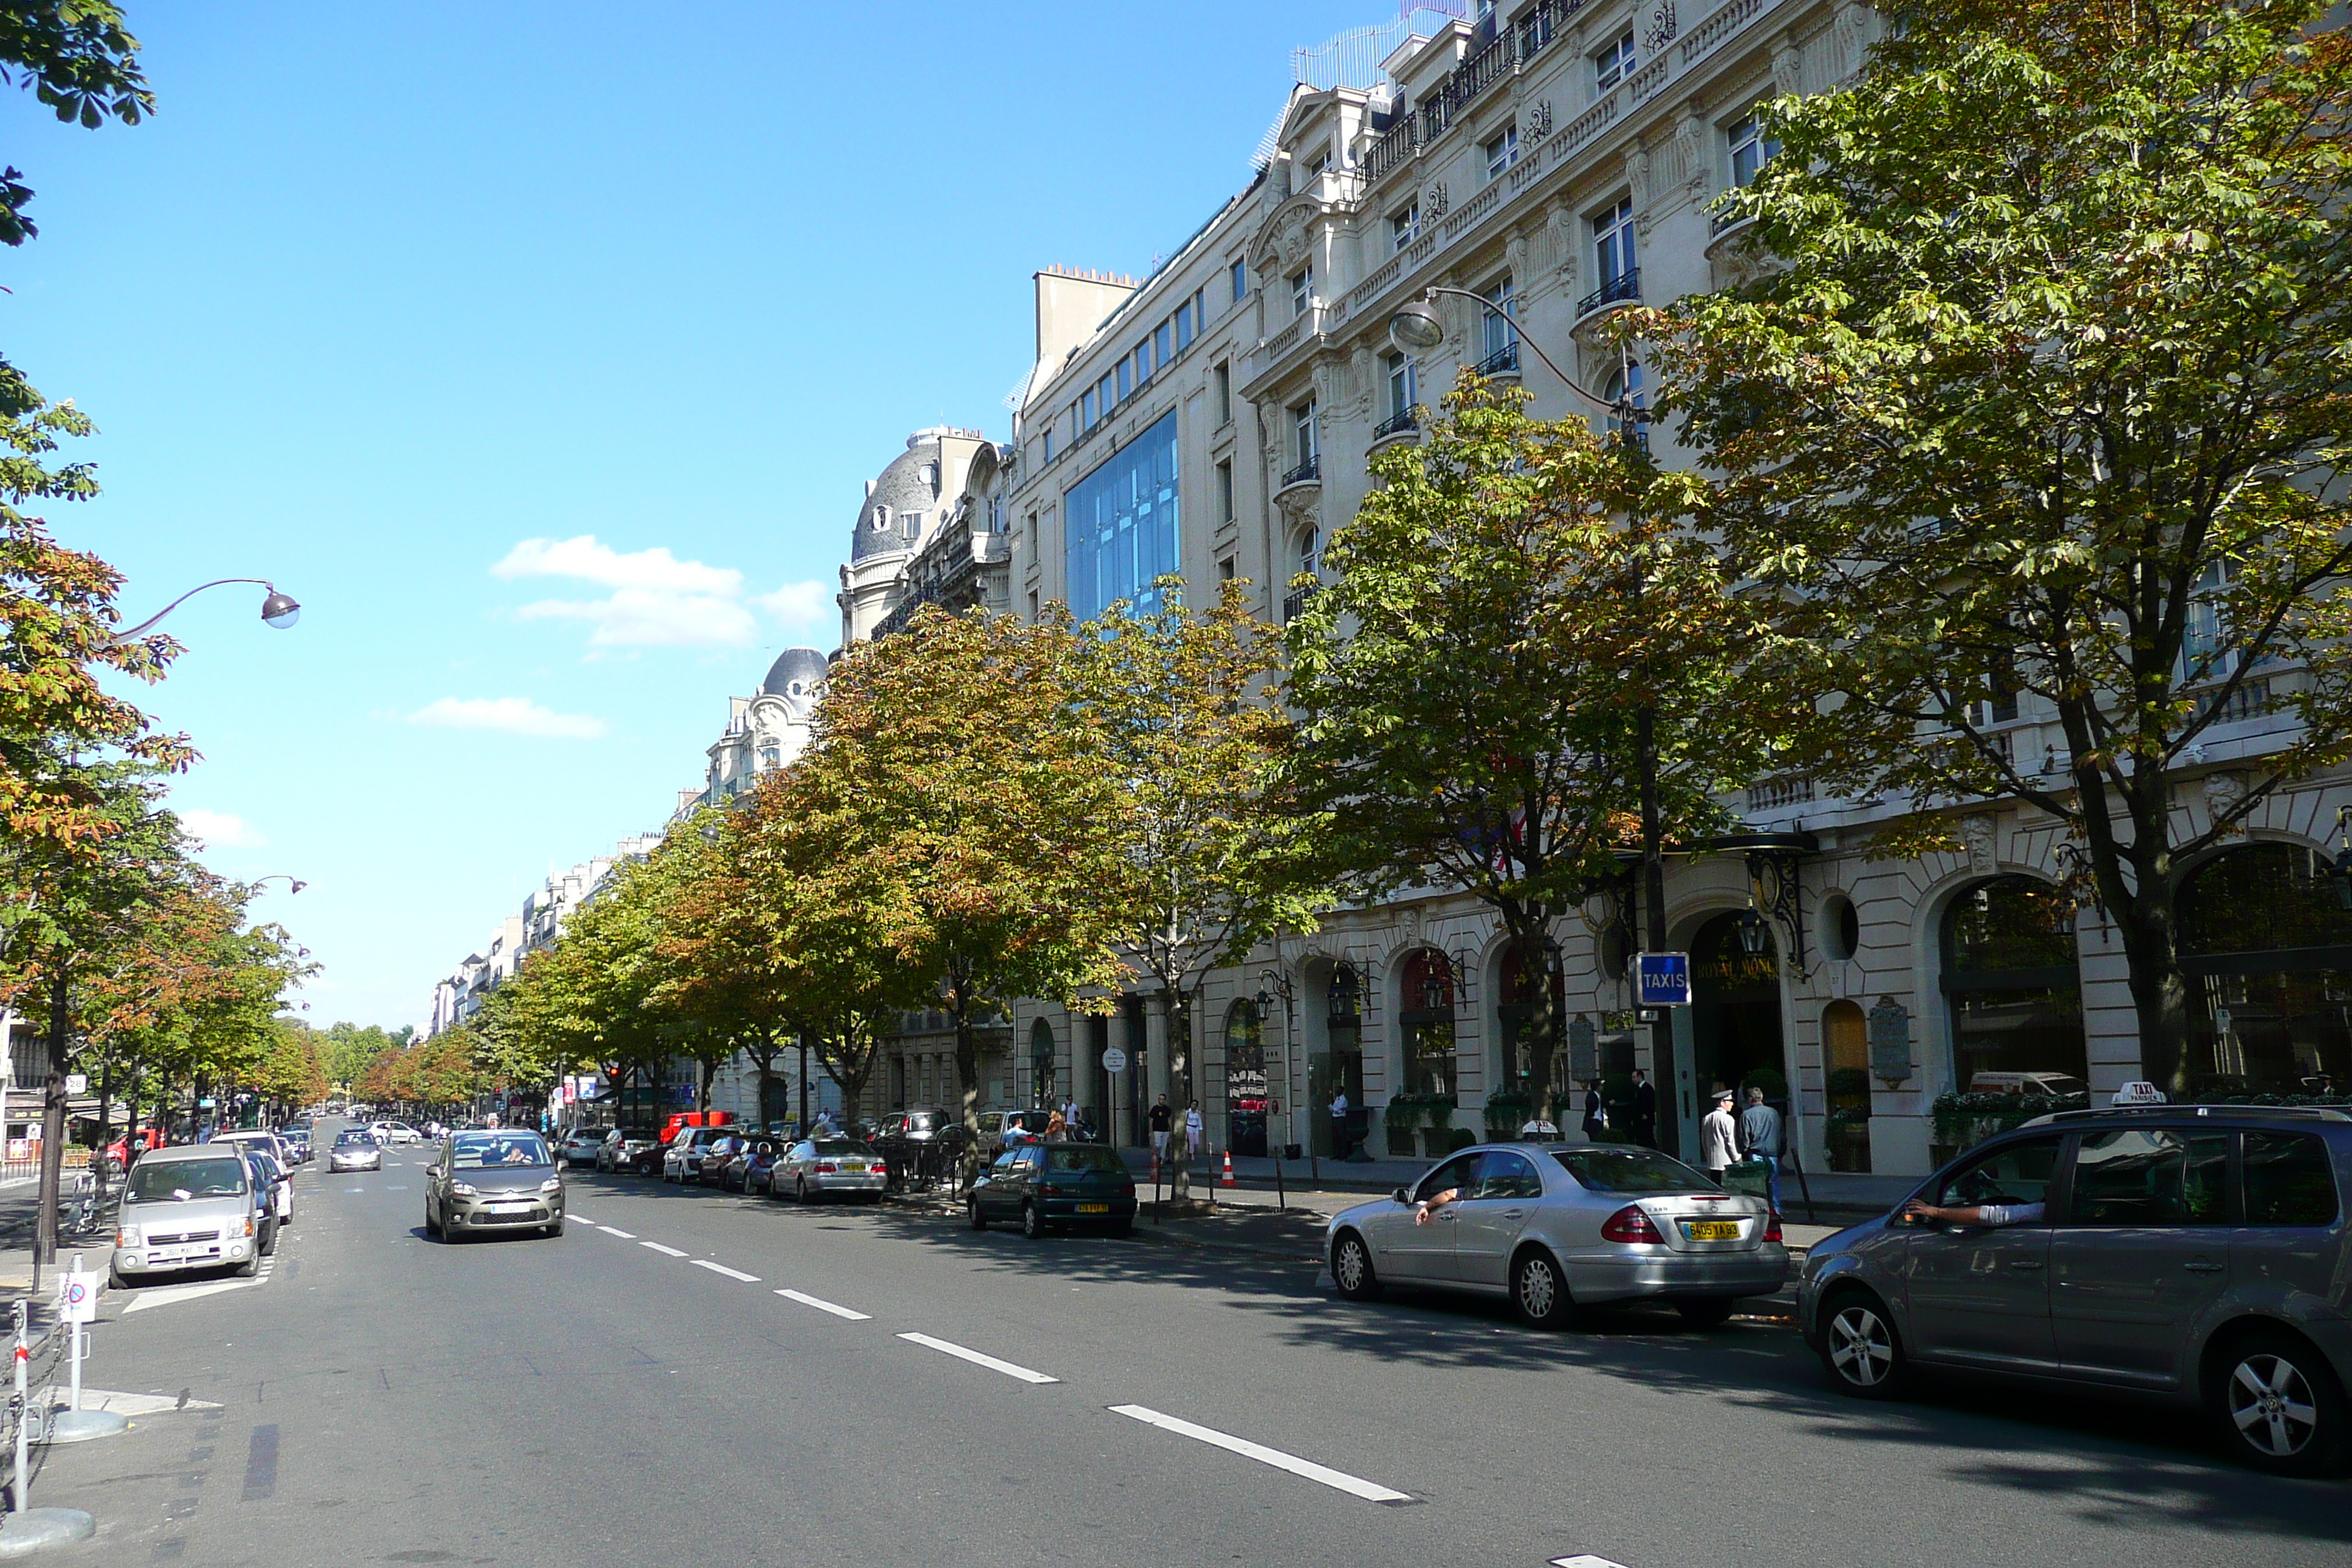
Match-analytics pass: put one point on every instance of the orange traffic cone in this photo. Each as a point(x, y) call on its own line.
point(1229, 1181)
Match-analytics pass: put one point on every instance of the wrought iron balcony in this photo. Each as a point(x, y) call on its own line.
point(1307, 473)
point(1397, 424)
point(1295, 601)
point(1626, 285)
point(1504, 361)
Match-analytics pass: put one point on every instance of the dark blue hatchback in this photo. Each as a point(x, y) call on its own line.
point(1044, 1187)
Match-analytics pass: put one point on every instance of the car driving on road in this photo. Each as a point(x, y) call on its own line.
point(186, 1207)
point(488, 1182)
point(1559, 1227)
point(2194, 1254)
point(354, 1149)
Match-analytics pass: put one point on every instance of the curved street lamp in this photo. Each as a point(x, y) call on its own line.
point(279, 610)
point(1414, 328)
point(294, 884)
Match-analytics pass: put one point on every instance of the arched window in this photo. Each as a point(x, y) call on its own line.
point(1245, 1083)
point(1310, 551)
point(1846, 1083)
point(1515, 1016)
point(2014, 992)
point(1041, 1063)
point(1624, 386)
point(2267, 948)
point(1426, 1023)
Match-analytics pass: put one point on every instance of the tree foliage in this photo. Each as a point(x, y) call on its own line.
point(2043, 399)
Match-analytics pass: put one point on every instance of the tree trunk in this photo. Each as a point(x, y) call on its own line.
point(1669, 1129)
point(803, 1122)
point(53, 1134)
point(1175, 1039)
point(1539, 1040)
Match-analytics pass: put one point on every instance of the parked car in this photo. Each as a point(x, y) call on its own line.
point(579, 1146)
point(297, 1143)
point(1009, 1129)
point(1559, 1227)
point(264, 1174)
point(746, 1164)
point(2047, 1085)
point(682, 1158)
point(830, 1167)
point(716, 1154)
point(903, 1133)
point(630, 1149)
point(2195, 1254)
point(1046, 1185)
point(493, 1181)
point(355, 1149)
point(190, 1206)
point(256, 1138)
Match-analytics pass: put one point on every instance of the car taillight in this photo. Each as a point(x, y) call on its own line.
point(824, 1166)
point(1773, 1228)
point(1630, 1223)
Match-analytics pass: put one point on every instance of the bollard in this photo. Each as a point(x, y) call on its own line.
point(78, 1306)
point(30, 1529)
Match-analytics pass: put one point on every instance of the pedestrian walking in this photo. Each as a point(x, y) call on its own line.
point(1646, 1111)
point(1759, 1135)
point(1718, 1137)
point(1163, 1120)
point(1596, 1114)
point(1194, 1127)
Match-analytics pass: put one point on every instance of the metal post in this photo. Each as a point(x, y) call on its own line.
point(24, 1407)
point(74, 1349)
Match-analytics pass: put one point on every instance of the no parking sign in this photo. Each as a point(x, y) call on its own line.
point(77, 1298)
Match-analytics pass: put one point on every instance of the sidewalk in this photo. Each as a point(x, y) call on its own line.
point(19, 1211)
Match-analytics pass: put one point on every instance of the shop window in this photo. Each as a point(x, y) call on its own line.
point(1245, 1079)
point(1846, 1082)
point(2267, 948)
point(2011, 980)
point(1426, 1023)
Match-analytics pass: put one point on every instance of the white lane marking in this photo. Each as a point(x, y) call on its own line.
point(582, 1218)
point(989, 1361)
point(1584, 1560)
point(723, 1268)
point(168, 1294)
point(355, 1189)
point(823, 1306)
point(1355, 1485)
point(665, 1251)
point(395, 1189)
point(624, 1234)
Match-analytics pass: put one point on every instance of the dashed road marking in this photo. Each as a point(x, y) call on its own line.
point(823, 1306)
point(624, 1234)
point(989, 1361)
point(665, 1251)
point(1584, 1560)
point(1355, 1485)
point(723, 1268)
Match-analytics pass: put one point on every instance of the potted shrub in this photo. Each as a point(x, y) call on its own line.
point(1506, 1111)
point(1404, 1110)
point(1437, 1141)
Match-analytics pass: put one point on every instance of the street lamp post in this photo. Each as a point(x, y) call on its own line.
point(279, 611)
point(1414, 328)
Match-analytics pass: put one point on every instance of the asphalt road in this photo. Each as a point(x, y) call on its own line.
point(610, 1398)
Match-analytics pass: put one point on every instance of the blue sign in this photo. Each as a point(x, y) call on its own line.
point(1662, 978)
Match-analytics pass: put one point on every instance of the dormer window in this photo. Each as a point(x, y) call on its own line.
point(881, 518)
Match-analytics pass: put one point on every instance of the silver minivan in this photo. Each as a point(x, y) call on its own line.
point(2196, 1254)
point(186, 1207)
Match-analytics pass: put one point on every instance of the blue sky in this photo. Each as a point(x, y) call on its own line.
point(384, 294)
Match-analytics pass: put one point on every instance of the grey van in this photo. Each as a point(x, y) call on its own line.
point(2195, 1254)
point(183, 1208)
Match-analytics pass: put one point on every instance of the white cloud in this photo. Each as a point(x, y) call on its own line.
point(656, 570)
point(802, 607)
point(658, 600)
point(221, 830)
point(509, 715)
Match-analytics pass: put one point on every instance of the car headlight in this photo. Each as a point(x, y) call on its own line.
point(128, 1237)
point(462, 1189)
point(550, 1185)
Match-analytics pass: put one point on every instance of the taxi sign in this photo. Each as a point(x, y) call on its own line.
point(2139, 1091)
point(1662, 978)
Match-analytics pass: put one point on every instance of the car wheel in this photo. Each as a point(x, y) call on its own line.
point(116, 1279)
point(800, 1189)
point(432, 1224)
point(1861, 1348)
point(268, 1242)
point(1707, 1311)
point(2279, 1407)
point(1033, 1225)
point(979, 1220)
point(248, 1268)
point(553, 1230)
point(1540, 1291)
point(1351, 1268)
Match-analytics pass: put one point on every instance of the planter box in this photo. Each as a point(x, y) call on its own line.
point(1401, 1143)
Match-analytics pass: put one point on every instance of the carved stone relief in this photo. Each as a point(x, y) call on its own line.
point(2222, 791)
point(1977, 834)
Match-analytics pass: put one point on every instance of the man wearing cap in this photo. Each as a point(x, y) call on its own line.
point(1718, 1137)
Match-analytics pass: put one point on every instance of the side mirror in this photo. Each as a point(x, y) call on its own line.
point(1402, 1195)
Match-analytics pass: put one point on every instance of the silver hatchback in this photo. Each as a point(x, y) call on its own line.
point(2194, 1254)
point(1557, 1227)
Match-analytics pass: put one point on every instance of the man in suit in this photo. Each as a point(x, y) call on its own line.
point(1646, 1111)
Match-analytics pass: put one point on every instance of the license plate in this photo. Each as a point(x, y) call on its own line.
point(1710, 1230)
point(1094, 1208)
point(506, 1208)
point(852, 1164)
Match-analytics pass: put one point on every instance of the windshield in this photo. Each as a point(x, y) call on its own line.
point(1610, 1169)
point(635, 1134)
point(838, 1146)
point(364, 1140)
point(177, 1180)
point(1086, 1157)
point(470, 1150)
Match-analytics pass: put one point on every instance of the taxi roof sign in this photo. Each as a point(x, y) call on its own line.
point(2139, 1091)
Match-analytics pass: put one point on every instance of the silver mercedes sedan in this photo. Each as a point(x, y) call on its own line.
point(1557, 1227)
point(355, 1150)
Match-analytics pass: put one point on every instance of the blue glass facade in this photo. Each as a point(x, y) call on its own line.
point(1121, 524)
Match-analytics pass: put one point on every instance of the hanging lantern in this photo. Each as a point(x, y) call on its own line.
point(1752, 934)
